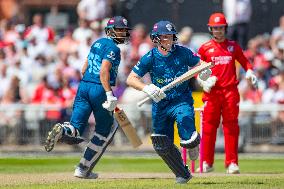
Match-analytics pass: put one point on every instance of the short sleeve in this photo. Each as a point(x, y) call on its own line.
point(201, 53)
point(112, 54)
point(143, 65)
point(193, 58)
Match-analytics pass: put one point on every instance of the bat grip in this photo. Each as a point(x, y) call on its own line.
point(140, 103)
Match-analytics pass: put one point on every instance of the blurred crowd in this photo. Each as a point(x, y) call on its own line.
point(41, 62)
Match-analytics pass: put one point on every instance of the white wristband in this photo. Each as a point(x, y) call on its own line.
point(109, 94)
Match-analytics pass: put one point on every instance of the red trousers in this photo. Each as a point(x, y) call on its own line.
point(219, 103)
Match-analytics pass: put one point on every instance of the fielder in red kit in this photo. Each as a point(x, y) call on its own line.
point(221, 96)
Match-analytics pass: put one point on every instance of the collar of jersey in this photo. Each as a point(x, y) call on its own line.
point(111, 39)
point(161, 55)
point(224, 42)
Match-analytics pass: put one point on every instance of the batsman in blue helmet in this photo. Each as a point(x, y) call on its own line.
point(94, 95)
point(164, 63)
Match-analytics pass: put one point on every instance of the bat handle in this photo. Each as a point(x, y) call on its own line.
point(140, 103)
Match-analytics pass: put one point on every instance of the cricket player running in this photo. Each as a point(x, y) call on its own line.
point(221, 96)
point(165, 62)
point(94, 95)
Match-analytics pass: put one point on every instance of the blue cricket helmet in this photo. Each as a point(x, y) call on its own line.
point(112, 29)
point(118, 22)
point(163, 28)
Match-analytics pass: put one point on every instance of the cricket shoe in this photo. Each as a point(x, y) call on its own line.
point(53, 136)
point(206, 168)
point(181, 180)
point(193, 153)
point(84, 174)
point(233, 168)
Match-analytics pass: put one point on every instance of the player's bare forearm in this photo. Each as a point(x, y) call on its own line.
point(134, 81)
point(105, 75)
point(85, 66)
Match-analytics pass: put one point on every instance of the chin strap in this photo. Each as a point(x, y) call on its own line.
point(164, 48)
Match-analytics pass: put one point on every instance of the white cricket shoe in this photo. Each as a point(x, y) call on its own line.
point(53, 136)
point(193, 153)
point(206, 168)
point(81, 173)
point(233, 168)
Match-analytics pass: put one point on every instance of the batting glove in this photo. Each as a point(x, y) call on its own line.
point(207, 84)
point(154, 92)
point(205, 74)
point(252, 77)
point(111, 101)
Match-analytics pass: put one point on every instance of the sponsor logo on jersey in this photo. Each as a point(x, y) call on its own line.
point(167, 80)
point(230, 48)
point(111, 55)
point(160, 81)
point(220, 60)
point(211, 50)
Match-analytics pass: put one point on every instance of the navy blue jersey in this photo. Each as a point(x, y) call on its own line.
point(164, 69)
point(102, 49)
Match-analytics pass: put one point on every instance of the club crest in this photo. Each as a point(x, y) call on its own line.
point(124, 22)
point(169, 27)
point(217, 19)
point(230, 48)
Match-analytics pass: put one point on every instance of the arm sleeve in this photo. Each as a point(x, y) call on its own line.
point(142, 66)
point(240, 57)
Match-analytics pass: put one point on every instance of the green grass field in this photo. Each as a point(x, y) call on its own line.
point(130, 172)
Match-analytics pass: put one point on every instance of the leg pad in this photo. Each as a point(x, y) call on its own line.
point(170, 154)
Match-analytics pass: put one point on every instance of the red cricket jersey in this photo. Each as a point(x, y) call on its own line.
point(224, 55)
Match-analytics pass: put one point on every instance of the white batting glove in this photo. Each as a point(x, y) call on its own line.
point(205, 74)
point(111, 101)
point(207, 84)
point(252, 77)
point(154, 92)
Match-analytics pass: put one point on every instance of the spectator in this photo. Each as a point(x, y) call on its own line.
point(92, 10)
point(39, 35)
point(139, 35)
point(277, 35)
point(254, 55)
point(13, 119)
point(67, 44)
point(97, 30)
point(83, 32)
point(5, 80)
point(11, 35)
point(38, 31)
point(278, 61)
point(238, 14)
point(185, 36)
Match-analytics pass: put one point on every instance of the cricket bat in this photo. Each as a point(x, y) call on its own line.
point(127, 127)
point(184, 77)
